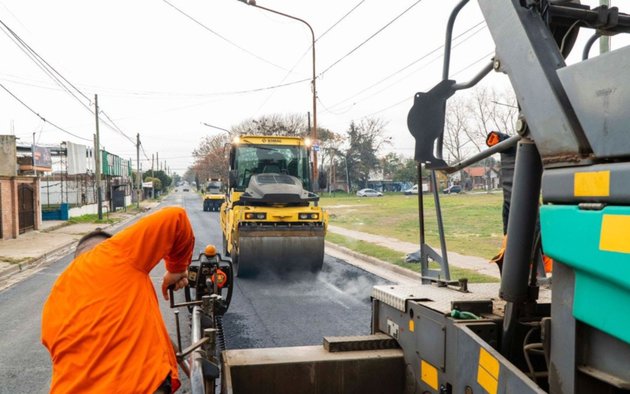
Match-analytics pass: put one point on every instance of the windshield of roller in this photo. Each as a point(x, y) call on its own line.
point(271, 159)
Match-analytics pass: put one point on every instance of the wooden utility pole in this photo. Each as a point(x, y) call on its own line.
point(139, 175)
point(97, 162)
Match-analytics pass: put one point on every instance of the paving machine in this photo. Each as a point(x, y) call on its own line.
point(270, 219)
point(214, 195)
point(520, 335)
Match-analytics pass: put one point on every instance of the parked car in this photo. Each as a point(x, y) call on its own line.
point(452, 189)
point(369, 193)
point(411, 190)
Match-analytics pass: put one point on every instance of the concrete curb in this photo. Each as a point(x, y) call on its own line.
point(374, 261)
point(57, 227)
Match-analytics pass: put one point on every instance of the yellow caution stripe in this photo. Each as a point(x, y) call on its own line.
point(488, 372)
point(429, 374)
point(591, 184)
point(615, 234)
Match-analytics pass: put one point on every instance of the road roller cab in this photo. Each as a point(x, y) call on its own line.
point(271, 220)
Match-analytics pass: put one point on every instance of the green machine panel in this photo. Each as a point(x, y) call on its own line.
point(596, 243)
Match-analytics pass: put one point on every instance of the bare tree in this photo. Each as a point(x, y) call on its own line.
point(274, 124)
point(211, 158)
point(490, 111)
point(469, 119)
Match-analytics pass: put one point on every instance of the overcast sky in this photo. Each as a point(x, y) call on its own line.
point(161, 67)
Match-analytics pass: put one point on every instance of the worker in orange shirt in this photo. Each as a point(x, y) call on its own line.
point(102, 323)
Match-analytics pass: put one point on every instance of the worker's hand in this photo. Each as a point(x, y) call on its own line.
point(178, 280)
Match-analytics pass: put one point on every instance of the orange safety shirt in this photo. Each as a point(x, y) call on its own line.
point(102, 323)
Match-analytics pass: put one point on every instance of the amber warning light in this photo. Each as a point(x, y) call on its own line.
point(494, 137)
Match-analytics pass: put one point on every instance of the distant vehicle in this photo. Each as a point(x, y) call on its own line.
point(411, 190)
point(369, 193)
point(452, 189)
point(186, 189)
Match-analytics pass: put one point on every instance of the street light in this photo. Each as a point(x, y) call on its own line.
point(215, 127)
point(313, 81)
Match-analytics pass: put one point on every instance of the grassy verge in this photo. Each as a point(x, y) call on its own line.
point(472, 222)
point(395, 257)
point(13, 260)
point(91, 218)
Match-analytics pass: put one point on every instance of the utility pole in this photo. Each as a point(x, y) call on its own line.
point(152, 175)
point(97, 162)
point(139, 176)
point(604, 41)
point(157, 160)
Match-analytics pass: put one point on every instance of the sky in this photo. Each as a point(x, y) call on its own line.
point(162, 68)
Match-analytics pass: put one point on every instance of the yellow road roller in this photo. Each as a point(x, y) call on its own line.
point(271, 220)
point(214, 195)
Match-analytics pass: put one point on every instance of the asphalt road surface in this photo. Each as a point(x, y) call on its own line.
point(265, 312)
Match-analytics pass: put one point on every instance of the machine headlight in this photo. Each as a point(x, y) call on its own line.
point(255, 216)
point(309, 216)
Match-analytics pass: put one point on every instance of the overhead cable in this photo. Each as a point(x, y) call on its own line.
point(419, 59)
point(369, 38)
point(223, 37)
point(41, 117)
point(55, 75)
point(309, 49)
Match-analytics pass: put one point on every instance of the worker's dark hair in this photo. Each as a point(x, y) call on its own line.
point(97, 233)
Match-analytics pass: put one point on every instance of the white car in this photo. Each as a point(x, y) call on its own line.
point(411, 190)
point(369, 193)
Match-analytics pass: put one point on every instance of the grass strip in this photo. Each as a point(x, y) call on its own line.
point(397, 258)
point(91, 218)
point(13, 260)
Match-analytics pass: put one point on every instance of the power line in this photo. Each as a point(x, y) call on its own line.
point(308, 50)
point(224, 38)
point(406, 99)
point(41, 117)
point(370, 37)
point(338, 21)
point(419, 59)
point(55, 75)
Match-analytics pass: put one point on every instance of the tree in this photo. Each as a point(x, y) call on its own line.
point(211, 159)
point(389, 164)
point(329, 143)
point(157, 184)
point(364, 139)
point(407, 171)
point(274, 124)
point(470, 119)
point(164, 180)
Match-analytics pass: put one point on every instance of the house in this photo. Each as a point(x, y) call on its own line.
point(481, 178)
point(20, 208)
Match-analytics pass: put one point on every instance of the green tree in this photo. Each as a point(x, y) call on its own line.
point(408, 171)
point(157, 184)
point(365, 139)
point(165, 180)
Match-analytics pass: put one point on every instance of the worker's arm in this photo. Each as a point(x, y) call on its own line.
point(165, 234)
